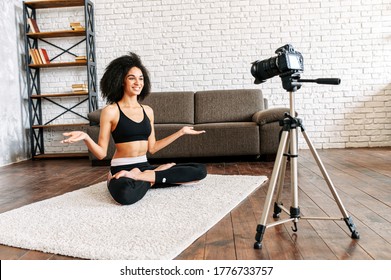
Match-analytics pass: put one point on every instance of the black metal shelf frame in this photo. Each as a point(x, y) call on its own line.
point(34, 75)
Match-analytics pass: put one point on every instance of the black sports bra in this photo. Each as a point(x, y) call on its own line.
point(128, 130)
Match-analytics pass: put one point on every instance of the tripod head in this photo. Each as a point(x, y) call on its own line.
point(291, 81)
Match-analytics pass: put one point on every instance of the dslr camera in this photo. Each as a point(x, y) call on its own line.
point(287, 62)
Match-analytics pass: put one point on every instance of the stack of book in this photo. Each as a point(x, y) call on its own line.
point(79, 88)
point(76, 26)
point(39, 56)
point(82, 58)
point(33, 25)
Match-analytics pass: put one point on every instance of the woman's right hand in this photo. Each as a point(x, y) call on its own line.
point(74, 136)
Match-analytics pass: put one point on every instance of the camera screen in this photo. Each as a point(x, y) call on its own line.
point(294, 61)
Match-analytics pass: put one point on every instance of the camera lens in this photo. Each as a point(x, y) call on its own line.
point(265, 69)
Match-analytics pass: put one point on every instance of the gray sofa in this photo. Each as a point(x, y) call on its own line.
point(237, 123)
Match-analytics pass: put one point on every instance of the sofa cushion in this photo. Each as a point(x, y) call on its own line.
point(180, 148)
point(227, 139)
point(219, 105)
point(269, 135)
point(220, 139)
point(172, 107)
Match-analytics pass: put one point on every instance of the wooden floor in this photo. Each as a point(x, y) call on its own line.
point(362, 178)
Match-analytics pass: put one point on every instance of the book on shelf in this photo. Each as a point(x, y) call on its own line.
point(44, 56)
point(76, 26)
point(82, 58)
point(39, 56)
point(79, 88)
point(33, 25)
point(34, 57)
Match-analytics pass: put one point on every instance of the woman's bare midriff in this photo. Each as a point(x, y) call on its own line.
point(131, 149)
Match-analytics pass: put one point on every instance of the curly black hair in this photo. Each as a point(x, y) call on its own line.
point(111, 84)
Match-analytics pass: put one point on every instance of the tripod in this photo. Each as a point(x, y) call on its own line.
point(288, 148)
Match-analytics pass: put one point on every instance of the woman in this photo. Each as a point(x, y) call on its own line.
point(125, 83)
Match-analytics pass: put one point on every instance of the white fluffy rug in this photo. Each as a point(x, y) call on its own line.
point(88, 224)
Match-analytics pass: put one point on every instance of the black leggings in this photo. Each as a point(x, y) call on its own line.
point(128, 191)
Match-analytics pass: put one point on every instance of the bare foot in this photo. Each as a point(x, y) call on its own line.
point(133, 173)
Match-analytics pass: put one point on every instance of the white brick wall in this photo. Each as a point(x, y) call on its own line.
point(208, 44)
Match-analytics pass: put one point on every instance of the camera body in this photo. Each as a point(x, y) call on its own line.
point(287, 62)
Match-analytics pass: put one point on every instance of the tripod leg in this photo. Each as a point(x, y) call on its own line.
point(272, 185)
point(348, 220)
point(294, 210)
point(280, 184)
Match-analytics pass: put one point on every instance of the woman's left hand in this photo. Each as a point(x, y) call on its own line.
point(190, 130)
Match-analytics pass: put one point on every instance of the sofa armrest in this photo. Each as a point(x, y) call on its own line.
point(269, 115)
point(94, 117)
point(265, 104)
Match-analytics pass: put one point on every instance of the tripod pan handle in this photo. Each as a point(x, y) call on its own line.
point(328, 81)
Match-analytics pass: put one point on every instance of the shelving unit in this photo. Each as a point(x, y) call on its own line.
point(35, 93)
